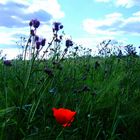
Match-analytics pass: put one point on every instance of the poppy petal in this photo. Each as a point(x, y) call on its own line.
point(64, 116)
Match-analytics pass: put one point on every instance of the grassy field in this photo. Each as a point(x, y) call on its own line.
point(67, 94)
point(104, 92)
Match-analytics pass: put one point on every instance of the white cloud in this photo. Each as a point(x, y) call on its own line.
point(50, 6)
point(137, 14)
point(102, 26)
point(11, 34)
point(10, 52)
point(126, 3)
point(122, 3)
point(113, 24)
point(24, 2)
point(7, 35)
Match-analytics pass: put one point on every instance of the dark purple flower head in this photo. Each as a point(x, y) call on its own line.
point(69, 43)
point(61, 37)
point(61, 26)
point(49, 72)
point(65, 50)
point(76, 48)
point(38, 45)
point(35, 23)
point(43, 41)
point(7, 63)
point(30, 23)
point(57, 40)
point(36, 38)
point(29, 40)
point(57, 26)
point(32, 32)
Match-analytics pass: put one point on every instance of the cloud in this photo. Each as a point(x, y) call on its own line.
point(127, 3)
point(50, 6)
point(122, 3)
point(11, 53)
point(15, 15)
point(113, 24)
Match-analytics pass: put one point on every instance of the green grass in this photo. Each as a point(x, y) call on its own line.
point(106, 99)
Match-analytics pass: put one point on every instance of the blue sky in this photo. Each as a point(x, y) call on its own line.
point(88, 22)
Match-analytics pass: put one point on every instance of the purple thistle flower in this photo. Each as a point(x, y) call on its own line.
point(32, 32)
point(30, 23)
point(38, 45)
point(61, 26)
point(61, 37)
point(49, 72)
point(57, 26)
point(7, 63)
point(35, 23)
point(43, 41)
point(69, 43)
point(57, 40)
point(36, 38)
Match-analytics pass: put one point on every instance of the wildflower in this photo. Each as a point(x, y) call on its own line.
point(43, 41)
point(61, 37)
point(36, 38)
point(69, 43)
point(65, 50)
point(64, 116)
point(61, 26)
point(7, 63)
point(57, 40)
point(32, 32)
point(31, 23)
point(49, 72)
point(76, 48)
point(36, 23)
point(29, 40)
point(38, 45)
point(57, 26)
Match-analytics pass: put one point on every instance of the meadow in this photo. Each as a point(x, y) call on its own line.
point(103, 91)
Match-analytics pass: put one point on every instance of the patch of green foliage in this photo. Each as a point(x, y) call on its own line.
point(104, 92)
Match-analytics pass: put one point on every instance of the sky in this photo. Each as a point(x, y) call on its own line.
point(87, 22)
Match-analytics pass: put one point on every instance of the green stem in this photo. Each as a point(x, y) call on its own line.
point(60, 134)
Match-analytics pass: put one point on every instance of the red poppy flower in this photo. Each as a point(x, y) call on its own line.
point(64, 116)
